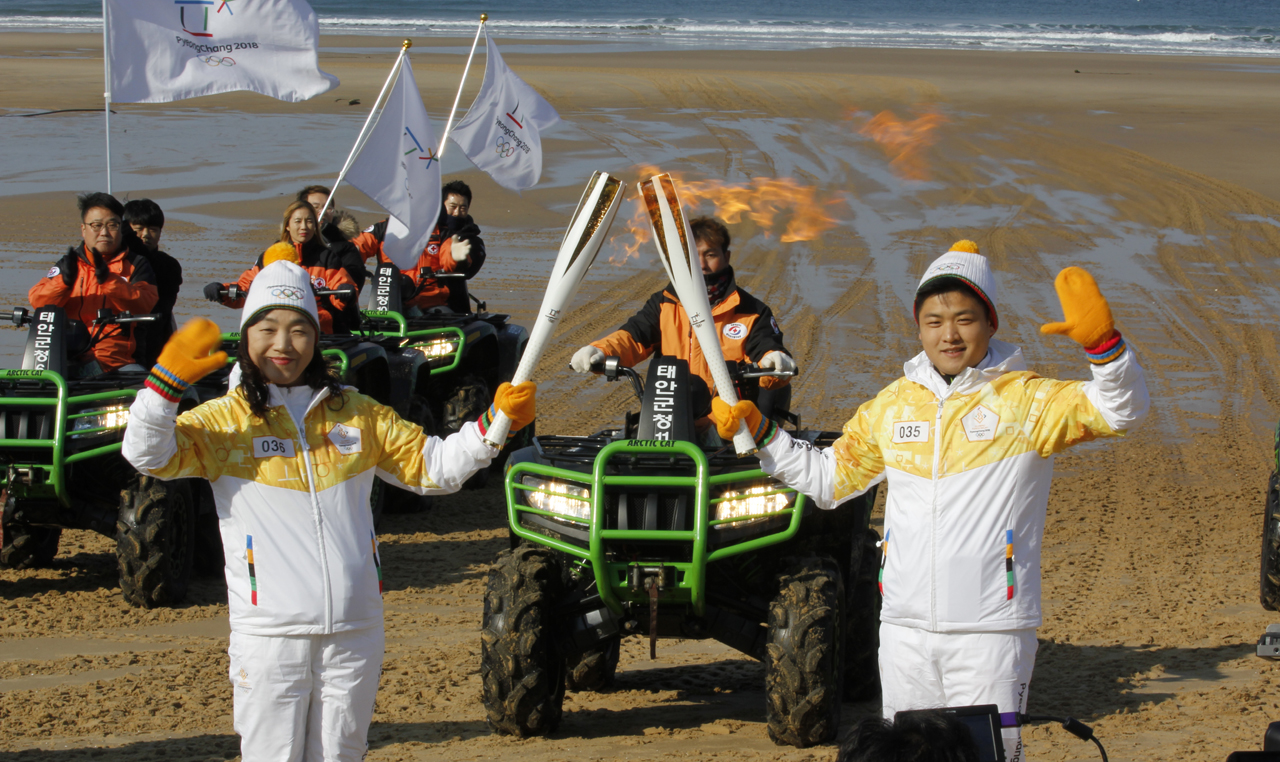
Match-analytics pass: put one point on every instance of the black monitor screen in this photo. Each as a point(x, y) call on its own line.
point(984, 723)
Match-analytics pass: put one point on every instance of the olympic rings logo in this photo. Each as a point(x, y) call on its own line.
point(505, 148)
point(286, 292)
point(218, 61)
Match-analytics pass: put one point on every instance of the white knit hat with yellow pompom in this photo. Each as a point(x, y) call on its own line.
point(280, 284)
point(963, 263)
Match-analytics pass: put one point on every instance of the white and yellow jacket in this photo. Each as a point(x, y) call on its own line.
point(969, 467)
point(293, 501)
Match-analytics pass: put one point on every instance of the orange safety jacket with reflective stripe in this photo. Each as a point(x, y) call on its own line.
point(130, 287)
point(437, 256)
point(746, 326)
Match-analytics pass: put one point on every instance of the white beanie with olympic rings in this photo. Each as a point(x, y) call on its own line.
point(280, 285)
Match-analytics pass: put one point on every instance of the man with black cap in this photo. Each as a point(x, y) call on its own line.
point(965, 440)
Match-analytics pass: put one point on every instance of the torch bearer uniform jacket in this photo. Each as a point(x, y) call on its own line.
point(293, 496)
point(969, 467)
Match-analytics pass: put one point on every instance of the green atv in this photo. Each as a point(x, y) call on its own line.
point(642, 530)
point(60, 439)
point(467, 352)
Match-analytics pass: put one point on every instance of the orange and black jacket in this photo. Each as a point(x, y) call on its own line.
point(745, 325)
point(129, 285)
point(428, 292)
point(325, 266)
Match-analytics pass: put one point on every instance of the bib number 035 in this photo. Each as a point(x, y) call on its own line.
point(910, 431)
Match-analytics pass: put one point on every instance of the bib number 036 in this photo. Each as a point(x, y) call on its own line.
point(270, 447)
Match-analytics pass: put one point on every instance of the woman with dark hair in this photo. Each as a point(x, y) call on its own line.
point(322, 261)
point(291, 456)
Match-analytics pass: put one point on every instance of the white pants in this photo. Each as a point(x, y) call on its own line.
point(305, 698)
point(920, 669)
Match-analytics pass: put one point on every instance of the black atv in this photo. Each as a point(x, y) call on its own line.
point(647, 530)
point(467, 352)
point(60, 439)
point(1270, 582)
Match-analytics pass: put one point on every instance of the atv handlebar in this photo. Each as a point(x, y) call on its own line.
point(231, 292)
point(21, 316)
point(611, 368)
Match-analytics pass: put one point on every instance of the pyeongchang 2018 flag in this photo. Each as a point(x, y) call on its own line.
point(397, 167)
point(167, 50)
point(500, 133)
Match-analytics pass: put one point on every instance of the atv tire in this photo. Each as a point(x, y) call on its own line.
point(466, 401)
point(1270, 588)
point(862, 622)
point(155, 541)
point(394, 499)
point(803, 654)
point(28, 547)
point(522, 674)
point(595, 669)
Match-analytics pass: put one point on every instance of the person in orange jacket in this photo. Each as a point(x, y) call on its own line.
point(324, 264)
point(746, 326)
point(105, 271)
point(455, 246)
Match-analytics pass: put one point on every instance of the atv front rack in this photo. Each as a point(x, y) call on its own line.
point(684, 580)
point(35, 410)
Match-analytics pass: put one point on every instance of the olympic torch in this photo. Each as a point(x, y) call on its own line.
point(680, 259)
point(588, 229)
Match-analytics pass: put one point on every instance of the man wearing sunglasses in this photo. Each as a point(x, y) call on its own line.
point(102, 272)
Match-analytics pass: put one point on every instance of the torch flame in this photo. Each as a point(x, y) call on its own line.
point(767, 202)
point(904, 142)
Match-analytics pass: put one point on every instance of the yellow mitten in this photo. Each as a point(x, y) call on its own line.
point(185, 359)
point(516, 402)
point(280, 251)
point(1087, 317)
point(727, 418)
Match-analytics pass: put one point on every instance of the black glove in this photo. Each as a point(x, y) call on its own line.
point(347, 294)
point(69, 266)
point(213, 292)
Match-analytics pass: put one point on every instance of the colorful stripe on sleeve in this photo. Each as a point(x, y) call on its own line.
point(377, 564)
point(1008, 563)
point(253, 577)
point(884, 556)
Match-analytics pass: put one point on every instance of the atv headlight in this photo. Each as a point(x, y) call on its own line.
point(746, 505)
point(568, 499)
point(114, 417)
point(436, 349)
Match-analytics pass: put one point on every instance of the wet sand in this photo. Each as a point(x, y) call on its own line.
point(1154, 173)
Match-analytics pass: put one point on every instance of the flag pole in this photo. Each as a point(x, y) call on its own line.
point(106, 95)
point(367, 128)
point(444, 141)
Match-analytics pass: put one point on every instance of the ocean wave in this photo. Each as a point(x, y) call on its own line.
point(793, 33)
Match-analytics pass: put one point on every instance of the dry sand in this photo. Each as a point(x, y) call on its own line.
point(1152, 172)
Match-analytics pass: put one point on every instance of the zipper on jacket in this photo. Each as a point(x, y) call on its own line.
point(933, 522)
point(317, 518)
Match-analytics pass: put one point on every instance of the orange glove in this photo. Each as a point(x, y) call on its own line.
point(727, 419)
point(516, 402)
point(186, 359)
point(1087, 317)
